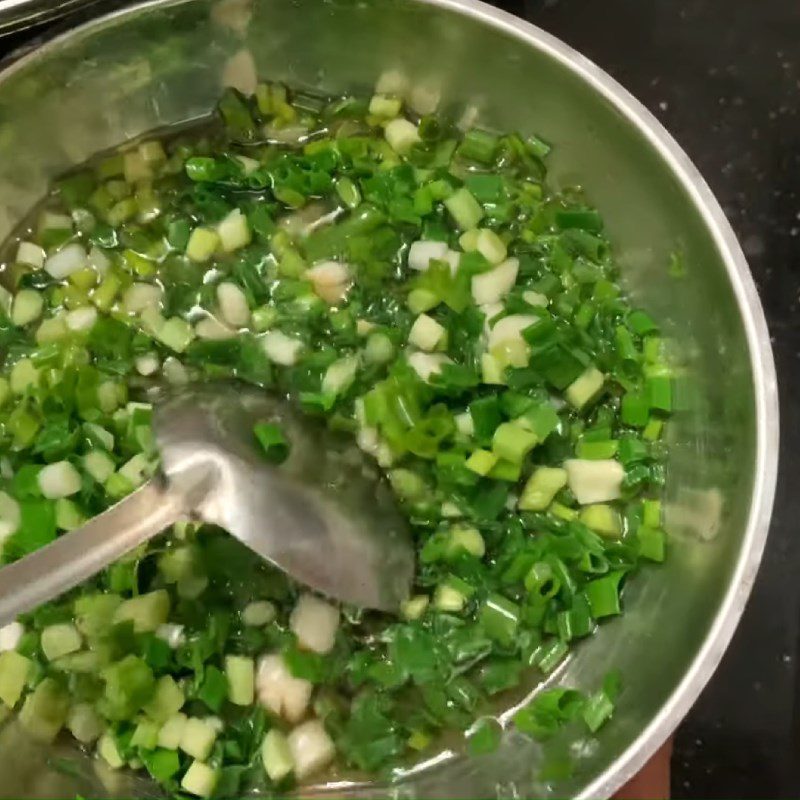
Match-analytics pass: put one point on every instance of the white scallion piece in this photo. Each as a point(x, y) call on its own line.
point(368, 440)
point(139, 296)
point(364, 326)
point(30, 253)
point(174, 372)
point(311, 748)
point(453, 258)
point(233, 304)
point(401, 134)
point(279, 691)
point(60, 479)
point(382, 106)
point(9, 516)
point(424, 99)
point(202, 244)
point(51, 330)
point(392, 81)
point(535, 298)
point(200, 779)
point(176, 333)
point(493, 286)
point(328, 273)
point(315, 623)
point(172, 634)
point(594, 481)
point(258, 613)
point(98, 260)
point(136, 469)
point(331, 280)
point(81, 319)
point(172, 730)
point(147, 364)
point(249, 165)
point(276, 755)
point(100, 434)
point(426, 333)
point(240, 72)
point(50, 221)
point(234, 232)
point(135, 167)
point(421, 252)
point(10, 635)
point(281, 349)
point(23, 375)
point(340, 375)
point(211, 328)
point(288, 134)
point(491, 246)
point(69, 259)
point(152, 152)
point(427, 364)
point(509, 329)
point(26, 307)
point(465, 424)
point(99, 465)
point(84, 723)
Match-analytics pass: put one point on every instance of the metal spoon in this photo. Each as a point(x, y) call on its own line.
point(324, 516)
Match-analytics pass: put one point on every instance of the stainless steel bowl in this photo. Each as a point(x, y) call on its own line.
point(163, 62)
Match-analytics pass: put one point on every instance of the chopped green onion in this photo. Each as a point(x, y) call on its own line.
point(641, 323)
point(499, 617)
point(273, 443)
point(659, 392)
point(512, 442)
point(652, 543)
point(550, 655)
point(651, 513)
point(586, 219)
point(598, 709)
point(426, 293)
point(482, 462)
point(603, 595)
point(541, 488)
point(479, 146)
point(597, 450)
point(635, 410)
point(464, 209)
point(484, 737)
point(602, 519)
point(585, 388)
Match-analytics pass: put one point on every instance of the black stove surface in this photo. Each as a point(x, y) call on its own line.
point(724, 77)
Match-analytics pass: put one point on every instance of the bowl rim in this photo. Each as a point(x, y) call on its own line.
point(765, 389)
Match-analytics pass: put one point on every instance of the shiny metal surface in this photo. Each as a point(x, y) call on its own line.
point(17, 15)
point(323, 516)
point(164, 62)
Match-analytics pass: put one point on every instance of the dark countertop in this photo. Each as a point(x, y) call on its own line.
point(724, 77)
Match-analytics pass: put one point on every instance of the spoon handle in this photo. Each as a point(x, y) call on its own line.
point(78, 555)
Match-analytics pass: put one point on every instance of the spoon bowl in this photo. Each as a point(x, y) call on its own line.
point(325, 517)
